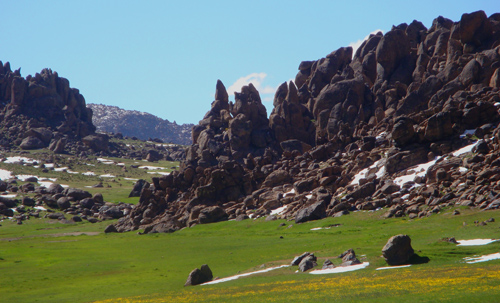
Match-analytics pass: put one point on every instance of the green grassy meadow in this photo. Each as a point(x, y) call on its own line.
point(47, 261)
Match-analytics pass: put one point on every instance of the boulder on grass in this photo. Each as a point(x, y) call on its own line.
point(296, 260)
point(349, 258)
point(307, 263)
point(199, 276)
point(315, 211)
point(398, 250)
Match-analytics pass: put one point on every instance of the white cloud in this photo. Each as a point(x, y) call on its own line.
point(257, 79)
point(357, 44)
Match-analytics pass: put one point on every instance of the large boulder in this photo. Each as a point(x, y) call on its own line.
point(307, 263)
point(63, 202)
point(212, 214)
point(277, 177)
point(315, 211)
point(76, 193)
point(199, 276)
point(31, 142)
point(296, 261)
point(97, 142)
point(403, 131)
point(153, 156)
point(398, 250)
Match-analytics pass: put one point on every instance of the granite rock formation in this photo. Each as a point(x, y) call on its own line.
point(41, 111)
point(347, 134)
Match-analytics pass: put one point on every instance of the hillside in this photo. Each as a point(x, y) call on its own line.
point(382, 128)
point(131, 123)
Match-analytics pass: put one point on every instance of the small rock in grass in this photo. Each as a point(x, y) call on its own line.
point(328, 264)
point(271, 218)
point(241, 217)
point(349, 258)
point(450, 240)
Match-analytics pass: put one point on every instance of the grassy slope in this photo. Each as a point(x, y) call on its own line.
point(153, 268)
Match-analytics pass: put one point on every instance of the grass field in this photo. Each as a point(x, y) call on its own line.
point(44, 261)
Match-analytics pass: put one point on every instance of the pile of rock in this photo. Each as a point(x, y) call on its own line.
point(308, 260)
point(79, 204)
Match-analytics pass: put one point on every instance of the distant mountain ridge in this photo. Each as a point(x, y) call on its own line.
point(132, 123)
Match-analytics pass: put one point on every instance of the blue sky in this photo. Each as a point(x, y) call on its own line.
point(164, 57)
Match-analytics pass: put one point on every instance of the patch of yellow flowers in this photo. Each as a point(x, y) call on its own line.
point(410, 283)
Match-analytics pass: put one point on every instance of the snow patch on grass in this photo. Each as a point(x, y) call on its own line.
point(393, 267)
point(483, 258)
point(5, 174)
point(475, 242)
point(243, 275)
point(340, 269)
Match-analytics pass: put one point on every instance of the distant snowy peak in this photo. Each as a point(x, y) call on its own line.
point(138, 124)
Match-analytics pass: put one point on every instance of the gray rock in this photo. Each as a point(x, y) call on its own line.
point(307, 263)
point(110, 229)
point(328, 264)
point(398, 250)
point(315, 211)
point(29, 143)
point(63, 202)
point(296, 260)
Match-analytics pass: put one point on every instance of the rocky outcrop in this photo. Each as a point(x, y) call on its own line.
point(40, 110)
point(347, 135)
